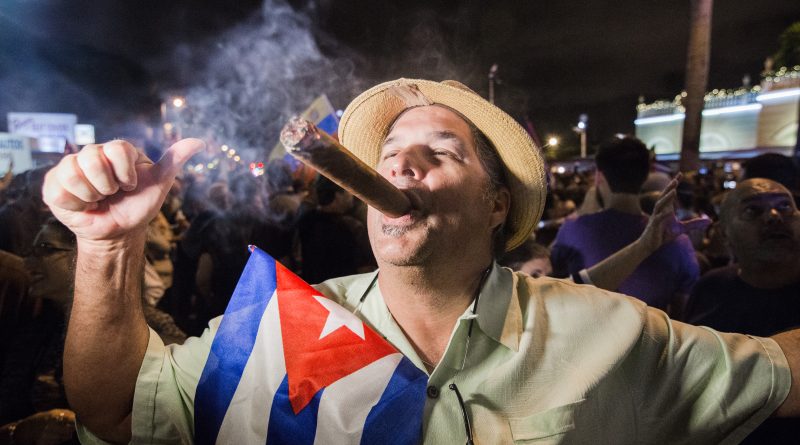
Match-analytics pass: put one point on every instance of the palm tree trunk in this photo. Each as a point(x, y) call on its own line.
point(697, 62)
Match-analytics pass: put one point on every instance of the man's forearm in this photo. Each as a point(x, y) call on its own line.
point(612, 271)
point(107, 335)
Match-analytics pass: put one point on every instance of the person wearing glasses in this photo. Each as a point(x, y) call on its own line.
point(510, 358)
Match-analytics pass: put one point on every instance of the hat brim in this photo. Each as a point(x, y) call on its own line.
point(367, 120)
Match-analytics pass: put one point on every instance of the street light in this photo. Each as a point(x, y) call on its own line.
point(580, 128)
point(552, 141)
point(493, 79)
point(171, 110)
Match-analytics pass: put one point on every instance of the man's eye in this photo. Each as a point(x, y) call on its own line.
point(751, 211)
point(442, 152)
point(785, 208)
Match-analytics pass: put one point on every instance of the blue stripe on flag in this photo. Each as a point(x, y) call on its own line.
point(397, 417)
point(287, 428)
point(232, 345)
point(329, 124)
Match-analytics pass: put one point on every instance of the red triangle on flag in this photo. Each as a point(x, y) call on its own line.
point(313, 363)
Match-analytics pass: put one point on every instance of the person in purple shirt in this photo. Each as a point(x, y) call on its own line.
point(666, 277)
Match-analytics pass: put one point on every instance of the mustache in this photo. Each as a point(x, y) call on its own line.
point(777, 232)
point(417, 193)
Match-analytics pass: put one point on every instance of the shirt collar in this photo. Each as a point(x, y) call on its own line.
point(499, 314)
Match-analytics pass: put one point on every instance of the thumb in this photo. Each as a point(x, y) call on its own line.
point(173, 159)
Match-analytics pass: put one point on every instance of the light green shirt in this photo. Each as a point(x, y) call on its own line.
point(549, 361)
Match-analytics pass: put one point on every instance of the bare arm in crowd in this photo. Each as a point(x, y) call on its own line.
point(662, 227)
point(106, 194)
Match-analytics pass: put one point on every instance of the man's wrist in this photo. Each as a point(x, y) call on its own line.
point(133, 240)
point(642, 248)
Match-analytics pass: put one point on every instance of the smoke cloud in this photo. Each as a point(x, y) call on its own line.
point(254, 77)
point(241, 83)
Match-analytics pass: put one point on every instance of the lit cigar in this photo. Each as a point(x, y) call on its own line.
point(325, 154)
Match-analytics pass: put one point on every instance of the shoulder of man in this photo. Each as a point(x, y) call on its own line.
point(566, 303)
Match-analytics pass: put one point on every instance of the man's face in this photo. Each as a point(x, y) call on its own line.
point(762, 223)
point(50, 265)
point(537, 267)
point(430, 154)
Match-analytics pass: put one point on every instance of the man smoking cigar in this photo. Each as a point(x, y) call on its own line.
point(516, 359)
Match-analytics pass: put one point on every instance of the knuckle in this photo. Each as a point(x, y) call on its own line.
point(68, 175)
point(92, 164)
point(98, 173)
point(121, 160)
point(48, 195)
point(61, 198)
point(74, 183)
point(119, 146)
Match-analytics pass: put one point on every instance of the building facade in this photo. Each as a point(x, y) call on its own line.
point(736, 123)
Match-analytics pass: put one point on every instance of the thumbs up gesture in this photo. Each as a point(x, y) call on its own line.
point(106, 191)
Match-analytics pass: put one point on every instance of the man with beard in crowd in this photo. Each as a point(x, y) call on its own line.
point(760, 293)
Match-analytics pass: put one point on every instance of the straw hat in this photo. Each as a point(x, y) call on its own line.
point(366, 122)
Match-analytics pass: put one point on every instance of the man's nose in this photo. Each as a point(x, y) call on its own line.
point(773, 215)
point(406, 163)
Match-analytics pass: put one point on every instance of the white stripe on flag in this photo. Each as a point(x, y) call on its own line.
point(248, 414)
point(345, 404)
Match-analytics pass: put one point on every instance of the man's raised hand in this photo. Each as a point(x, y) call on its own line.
point(663, 226)
point(107, 191)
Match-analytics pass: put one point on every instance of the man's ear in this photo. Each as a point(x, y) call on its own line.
point(719, 230)
point(501, 205)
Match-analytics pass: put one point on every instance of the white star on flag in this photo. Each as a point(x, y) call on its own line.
point(338, 317)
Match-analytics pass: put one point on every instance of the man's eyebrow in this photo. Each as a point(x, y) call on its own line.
point(764, 195)
point(439, 135)
point(388, 141)
point(449, 135)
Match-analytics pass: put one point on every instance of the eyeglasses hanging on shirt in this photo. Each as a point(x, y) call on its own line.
point(453, 387)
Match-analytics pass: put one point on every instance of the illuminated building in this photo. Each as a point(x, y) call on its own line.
point(736, 123)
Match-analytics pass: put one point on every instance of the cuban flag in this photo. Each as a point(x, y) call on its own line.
point(289, 366)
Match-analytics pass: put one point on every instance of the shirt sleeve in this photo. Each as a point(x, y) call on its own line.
point(695, 382)
point(163, 401)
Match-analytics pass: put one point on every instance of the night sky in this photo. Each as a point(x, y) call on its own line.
point(245, 66)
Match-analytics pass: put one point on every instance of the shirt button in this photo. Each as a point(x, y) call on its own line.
point(433, 392)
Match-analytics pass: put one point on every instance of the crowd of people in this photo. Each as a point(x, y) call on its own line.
point(741, 273)
point(196, 249)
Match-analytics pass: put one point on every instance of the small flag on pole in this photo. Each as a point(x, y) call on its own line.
point(322, 114)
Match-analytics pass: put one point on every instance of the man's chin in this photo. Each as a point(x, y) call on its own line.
point(402, 252)
point(395, 231)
